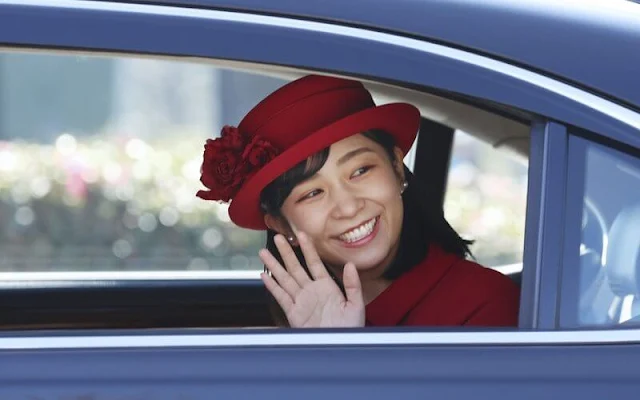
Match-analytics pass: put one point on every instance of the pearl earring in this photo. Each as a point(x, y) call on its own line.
point(290, 238)
point(405, 184)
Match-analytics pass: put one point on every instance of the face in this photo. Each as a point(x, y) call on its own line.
point(352, 207)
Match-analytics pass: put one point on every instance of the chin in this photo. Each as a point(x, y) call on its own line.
point(366, 257)
point(367, 262)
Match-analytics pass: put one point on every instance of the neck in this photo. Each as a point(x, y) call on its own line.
point(372, 284)
point(372, 288)
point(373, 281)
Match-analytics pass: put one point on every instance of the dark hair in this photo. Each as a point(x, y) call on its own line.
point(422, 223)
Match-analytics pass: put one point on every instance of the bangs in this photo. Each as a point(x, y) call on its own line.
point(274, 195)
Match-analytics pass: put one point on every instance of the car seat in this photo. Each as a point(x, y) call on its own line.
point(596, 297)
point(623, 264)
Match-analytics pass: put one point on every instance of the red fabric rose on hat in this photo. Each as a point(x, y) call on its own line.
point(257, 153)
point(230, 160)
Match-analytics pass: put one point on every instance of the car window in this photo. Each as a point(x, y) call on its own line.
point(602, 284)
point(100, 158)
point(486, 200)
point(100, 161)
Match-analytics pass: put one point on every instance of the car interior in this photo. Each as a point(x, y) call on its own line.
point(610, 254)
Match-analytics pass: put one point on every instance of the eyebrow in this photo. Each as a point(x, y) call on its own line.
point(352, 154)
point(342, 160)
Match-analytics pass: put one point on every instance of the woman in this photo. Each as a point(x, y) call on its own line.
point(350, 242)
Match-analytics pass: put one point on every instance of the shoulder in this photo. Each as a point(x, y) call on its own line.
point(471, 294)
point(485, 280)
point(491, 298)
point(464, 277)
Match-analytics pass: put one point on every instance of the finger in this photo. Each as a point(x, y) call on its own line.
point(291, 262)
point(283, 278)
point(282, 297)
point(352, 284)
point(314, 263)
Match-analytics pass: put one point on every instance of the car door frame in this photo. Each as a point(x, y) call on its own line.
point(478, 362)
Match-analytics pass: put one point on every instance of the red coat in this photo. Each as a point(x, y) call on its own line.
point(446, 290)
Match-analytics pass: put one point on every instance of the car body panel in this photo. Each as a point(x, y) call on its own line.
point(171, 371)
point(578, 41)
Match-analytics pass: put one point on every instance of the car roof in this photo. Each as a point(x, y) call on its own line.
point(594, 44)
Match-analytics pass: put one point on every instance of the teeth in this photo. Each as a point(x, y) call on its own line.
point(360, 232)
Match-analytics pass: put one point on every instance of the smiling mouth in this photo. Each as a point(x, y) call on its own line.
point(360, 232)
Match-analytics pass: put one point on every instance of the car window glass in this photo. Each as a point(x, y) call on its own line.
point(486, 200)
point(608, 258)
point(100, 158)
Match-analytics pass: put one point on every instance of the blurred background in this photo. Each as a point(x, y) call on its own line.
point(100, 158)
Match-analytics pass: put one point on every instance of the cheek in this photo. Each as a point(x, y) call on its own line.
point(308, 221)
point(394, 208)
point(386, 190)
point(389, 197)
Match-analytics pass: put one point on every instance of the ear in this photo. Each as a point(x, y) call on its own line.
point(281, 226)
point(399, 163)
point(277, 224)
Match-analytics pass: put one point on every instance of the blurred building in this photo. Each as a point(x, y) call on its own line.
point(44, 95)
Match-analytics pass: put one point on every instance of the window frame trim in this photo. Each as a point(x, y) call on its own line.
point(315, 338)
point(543, 244)
point(576, 174)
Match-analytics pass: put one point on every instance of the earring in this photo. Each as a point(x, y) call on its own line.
point(405, 184)
point(290, 239)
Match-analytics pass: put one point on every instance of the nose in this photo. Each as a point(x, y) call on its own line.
point(346, 202)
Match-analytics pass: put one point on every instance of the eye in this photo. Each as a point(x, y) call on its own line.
point(310, 194)
point(361, 171)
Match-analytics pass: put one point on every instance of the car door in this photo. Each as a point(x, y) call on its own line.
point(541, 358)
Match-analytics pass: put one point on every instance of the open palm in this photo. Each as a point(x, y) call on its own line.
point(312, 301)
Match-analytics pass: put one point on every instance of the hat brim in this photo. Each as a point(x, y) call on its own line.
point(401, 120)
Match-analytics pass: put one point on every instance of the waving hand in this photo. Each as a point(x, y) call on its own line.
point(312, 301)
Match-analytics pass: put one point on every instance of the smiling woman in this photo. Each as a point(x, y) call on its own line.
point(350, 241)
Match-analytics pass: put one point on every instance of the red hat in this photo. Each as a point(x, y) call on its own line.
point(288, 126)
